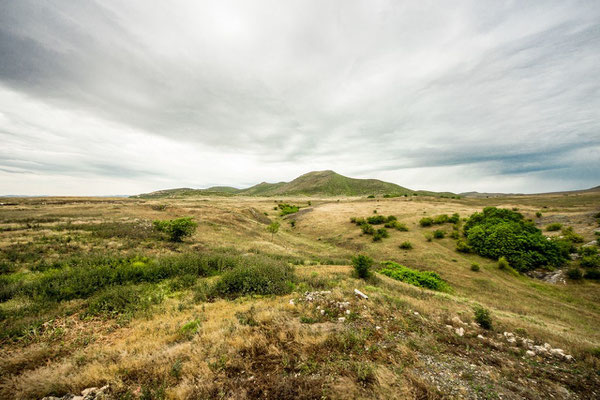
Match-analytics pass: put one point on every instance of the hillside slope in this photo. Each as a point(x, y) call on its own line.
point(327, 183)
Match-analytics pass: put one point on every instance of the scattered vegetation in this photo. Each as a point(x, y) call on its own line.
point(263, 278)
point(439, 234)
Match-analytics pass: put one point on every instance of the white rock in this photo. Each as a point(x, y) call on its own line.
point(348, 312)
point(449, 327)
point(459, 331)
point(416, 313)
point(557, 352)
point(378, 327)
point(568, 357)
point(361, 294)
point(480, 337)
point(530, 353)
point(511, 340)
point(547, 346)
point(341, 319)
point(457, 321)
point(292, 301)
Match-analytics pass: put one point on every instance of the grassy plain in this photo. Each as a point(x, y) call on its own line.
point(174, 343)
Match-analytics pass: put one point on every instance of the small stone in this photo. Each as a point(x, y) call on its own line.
point(511, 340)
point(341, 319)
point(530, 353)
point(449, 327)
point(378, 327)
point(460, 331)
point(416, 313)
point(348, 312)
point(457, 321)
point(292, 301)
point(480, 337)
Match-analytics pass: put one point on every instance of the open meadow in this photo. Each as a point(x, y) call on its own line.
point(92, 294)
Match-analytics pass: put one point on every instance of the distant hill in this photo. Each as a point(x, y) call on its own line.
point(326, 183)
point(316, 183)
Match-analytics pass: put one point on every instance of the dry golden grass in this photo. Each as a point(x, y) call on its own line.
point(281, 357)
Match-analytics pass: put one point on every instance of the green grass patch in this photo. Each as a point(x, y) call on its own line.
point(423, 279)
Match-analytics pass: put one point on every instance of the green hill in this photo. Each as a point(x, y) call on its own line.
point(316, 183)
point(326, 183)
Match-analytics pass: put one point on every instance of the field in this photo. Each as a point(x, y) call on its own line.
point(91, 294)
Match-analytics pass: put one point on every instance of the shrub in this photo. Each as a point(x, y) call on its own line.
point(463, 247)
point(503, 263)
point(406, 245)
point(287, 209)
point(475, 267)
point(255, 279)
point(440, 219)
point(439, 234)
point(592, 274)
point(371, 196)
point(119, 300)
point(426, 221)
point(397, 225)
point(554, 227)
point(574, 273)
point(590, 261)
point(367, 229)
point(454, 235)
point(500, 232)
point(381, 233)
point(362, 264)
point(424, 279)
point(428, 237)
point(176, 229)
point(377, 220)
point(483, 317)
point(538, 214)
point(570, 235)
point(454, 219)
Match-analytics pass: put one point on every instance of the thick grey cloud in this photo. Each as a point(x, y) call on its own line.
point(111, 96)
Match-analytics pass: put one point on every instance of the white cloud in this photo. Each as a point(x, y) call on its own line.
point(480, 95)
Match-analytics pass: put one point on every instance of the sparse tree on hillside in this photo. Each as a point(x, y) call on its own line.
point(273, 228)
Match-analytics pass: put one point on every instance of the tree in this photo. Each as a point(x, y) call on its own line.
point(273, 228)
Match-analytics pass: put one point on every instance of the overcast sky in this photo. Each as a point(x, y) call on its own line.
point(114, 97)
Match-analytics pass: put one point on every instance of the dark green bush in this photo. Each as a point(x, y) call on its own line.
point(406, 245)
point(590, 261)
point(500, 232)
point(475, 267)
point(538, 214)
point(554, 227)
point(176, 229)
point(574, 273)
point(440, 219)
point(483, 317)
point(592, 274)
point(426, 221)
point(454, 219)
point(424, 279)
point(362, 264)
point(267, 277)
point(570, 235)
point(463, 247)
point(367, 229)
point(381, 233)
point(397, 225)
point(439, 234)
point(377, 220)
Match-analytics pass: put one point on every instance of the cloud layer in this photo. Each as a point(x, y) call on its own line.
point(122, 97)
